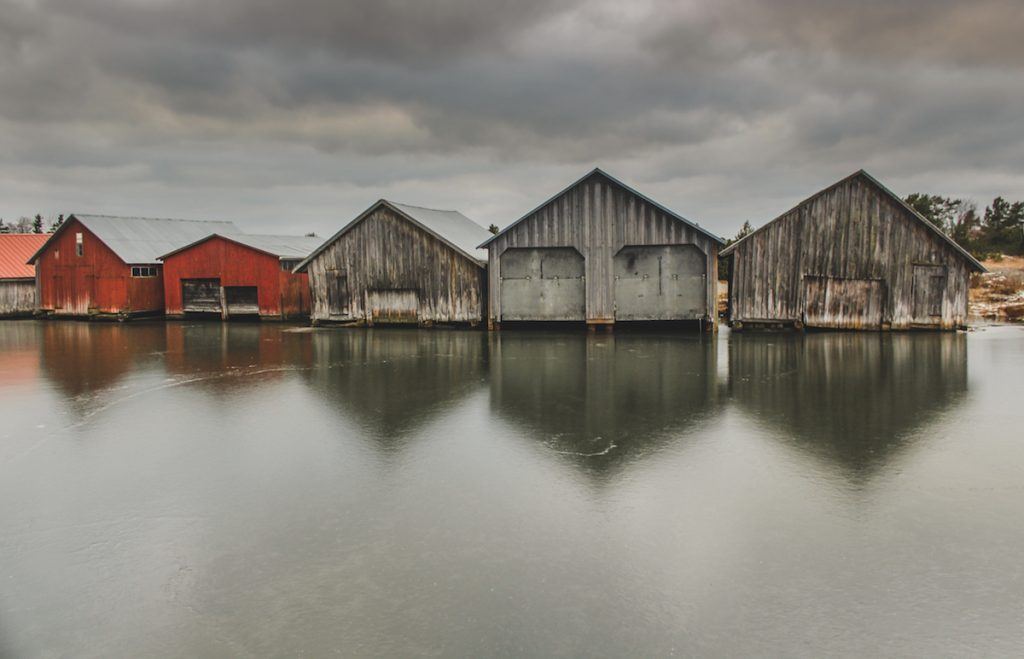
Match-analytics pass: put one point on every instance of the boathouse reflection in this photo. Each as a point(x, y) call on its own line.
point(393, 381)
point(603, 399)
point(855, 400)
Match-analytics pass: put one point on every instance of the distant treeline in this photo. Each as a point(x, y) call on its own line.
point(30, 225)
point(1000, 230)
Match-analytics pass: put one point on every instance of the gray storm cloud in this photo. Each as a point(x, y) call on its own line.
point(300, 114)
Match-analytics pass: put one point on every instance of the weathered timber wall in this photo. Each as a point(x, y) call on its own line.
point(598, 217)
point(96, 282)
point(386, 252)
point(851, 231)
point(17, 297)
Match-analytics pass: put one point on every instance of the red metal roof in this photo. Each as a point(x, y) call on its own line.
point(15, 250)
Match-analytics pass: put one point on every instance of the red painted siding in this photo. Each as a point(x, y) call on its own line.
point(280, 293)
point(96, 282)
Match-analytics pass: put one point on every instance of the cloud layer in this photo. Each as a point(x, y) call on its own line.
point(295, 116)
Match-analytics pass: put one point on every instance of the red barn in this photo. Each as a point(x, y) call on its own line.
point(238, 275)
point(103, 266)
point(18, 278)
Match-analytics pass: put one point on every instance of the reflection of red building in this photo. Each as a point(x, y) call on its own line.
point(18, 278)
point(97, 265)
point(238, 274)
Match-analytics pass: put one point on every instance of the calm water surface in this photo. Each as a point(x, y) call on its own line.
point(207, 490)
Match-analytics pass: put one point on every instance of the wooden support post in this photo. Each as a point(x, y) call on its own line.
point(223, 304)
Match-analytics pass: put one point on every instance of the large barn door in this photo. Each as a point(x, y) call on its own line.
point(200, 295)
point(660, 282)
point(929, 287)
point(543, 283)
point(393, 307)
point(242, 300)
point(843, 303)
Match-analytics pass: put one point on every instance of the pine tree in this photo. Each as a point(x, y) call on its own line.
point(37, 224)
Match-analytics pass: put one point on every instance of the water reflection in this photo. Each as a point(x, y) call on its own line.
point(395, 380)
point(603, 399)
point(83, 358)
point(19, 352)
point(223, 357)
point(851, 399)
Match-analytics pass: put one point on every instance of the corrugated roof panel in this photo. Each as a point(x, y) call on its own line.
point(15, 251)
point(286, 247)
point(452, 226)
point(145, 239)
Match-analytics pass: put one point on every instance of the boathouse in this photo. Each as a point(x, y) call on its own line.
point(853, 256)
point(400, 264)
point(17, 276)
point(238, 275)
point(104, 266)
point(601, 252)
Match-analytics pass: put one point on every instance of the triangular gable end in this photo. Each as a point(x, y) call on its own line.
point(871, 180)
point(382, 203)
point(211, 237)
point(597, 171)
point(59, 231)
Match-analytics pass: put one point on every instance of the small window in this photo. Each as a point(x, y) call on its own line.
point(144, 271)
point(56, 255)
point(79, 244)
point(289, 264)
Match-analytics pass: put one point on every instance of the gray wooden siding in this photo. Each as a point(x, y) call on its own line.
point(385, 252)
point(17, 297)
point(852, 231)
point(598, 218)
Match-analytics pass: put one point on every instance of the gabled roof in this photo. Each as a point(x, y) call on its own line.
point(15, 251)
point(884, 190)
point(143, 239)
point(450, 227)
point(283, 247)
point(606, 175)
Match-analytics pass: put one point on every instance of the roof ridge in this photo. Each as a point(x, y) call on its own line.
point(140, 217)
point(425, 208)
point(863, 173)
point(625, 186)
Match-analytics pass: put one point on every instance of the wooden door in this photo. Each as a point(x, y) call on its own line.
point(392, 307)
point(242, 300)
point(338, 299)
point(843, 303)
point(200, 295)
point(929, 289)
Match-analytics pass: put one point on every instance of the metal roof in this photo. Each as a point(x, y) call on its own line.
point(143, 239)
point(15, 251)
point(450, 227)
point(606, 175)
point(284, 247)
point(872, 180)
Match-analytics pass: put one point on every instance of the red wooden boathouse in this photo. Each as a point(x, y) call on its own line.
point(104, 266)
point(238, 274)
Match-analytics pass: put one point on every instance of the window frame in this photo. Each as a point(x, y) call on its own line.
point(144, 271)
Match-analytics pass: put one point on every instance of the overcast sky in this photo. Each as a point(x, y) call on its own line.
point(295, 116)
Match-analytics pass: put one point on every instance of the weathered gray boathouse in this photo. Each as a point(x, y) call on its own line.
point(601, 252)
point(853, 256)
point(400, 264)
